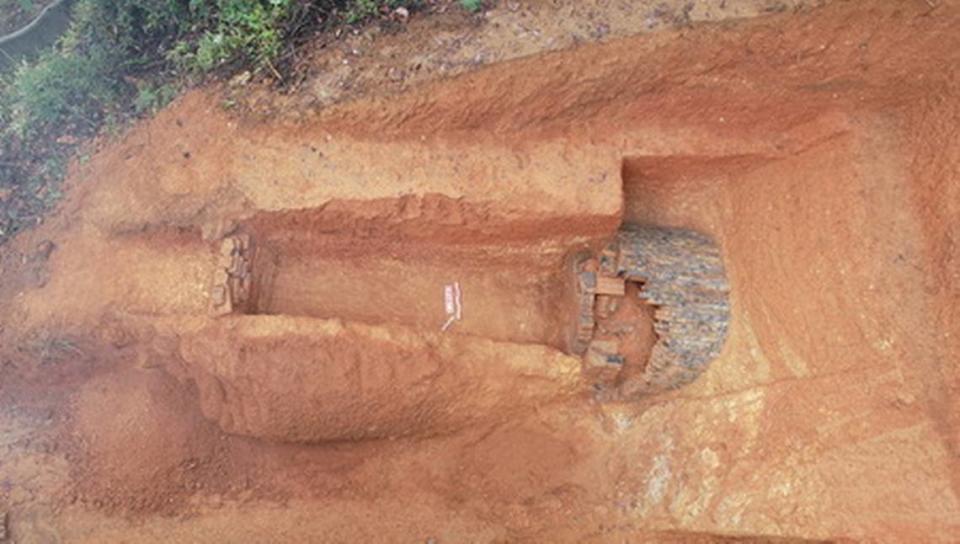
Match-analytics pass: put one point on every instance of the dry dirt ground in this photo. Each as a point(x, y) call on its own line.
point(817, 144)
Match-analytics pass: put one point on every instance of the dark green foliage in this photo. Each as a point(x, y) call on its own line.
point(68, 92)
point(251, 31)
point(152, 97)
point(472, 6)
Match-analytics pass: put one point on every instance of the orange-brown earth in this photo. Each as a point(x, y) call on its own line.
point(819, 149)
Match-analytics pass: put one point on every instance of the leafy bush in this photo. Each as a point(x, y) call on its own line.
point(472, 5)
point(247, 30)
point(61, 93)
point(152, 97)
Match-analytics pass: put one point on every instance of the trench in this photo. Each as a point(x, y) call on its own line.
point(436, 264)
point(377, 272)
point(510, 303)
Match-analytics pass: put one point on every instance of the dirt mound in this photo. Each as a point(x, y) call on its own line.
point(292, 379)
point(145, 446)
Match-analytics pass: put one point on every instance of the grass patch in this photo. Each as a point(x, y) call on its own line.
point(473, 6)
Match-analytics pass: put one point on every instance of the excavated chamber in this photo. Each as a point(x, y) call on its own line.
point(397, 261)
point(653, 310)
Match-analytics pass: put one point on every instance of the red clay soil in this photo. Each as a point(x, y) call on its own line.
point(819, 150)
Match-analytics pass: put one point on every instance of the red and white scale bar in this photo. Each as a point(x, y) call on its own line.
point(452, 303)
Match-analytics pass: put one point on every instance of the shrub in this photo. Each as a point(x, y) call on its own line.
point(68, 92)
point(249, 31)
point(152, 97)
point(472, 6)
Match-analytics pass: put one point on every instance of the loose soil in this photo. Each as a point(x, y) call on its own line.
point(817, 146)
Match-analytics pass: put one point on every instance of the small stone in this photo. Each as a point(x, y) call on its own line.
point(395, 74)
point(218, 295)
point(238, 267)
point(615, 359)
point(242, 241)
point(220, 276)
point(905, 399)
point(227, 247)
point(401, 14)
point(588, 280)
point(241, 79)
point(44, 249)
point(239, 292)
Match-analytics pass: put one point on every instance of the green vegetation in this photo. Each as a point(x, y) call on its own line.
point(249, 30)
point(59, 92)
point(472, 6)
point(124, 58)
